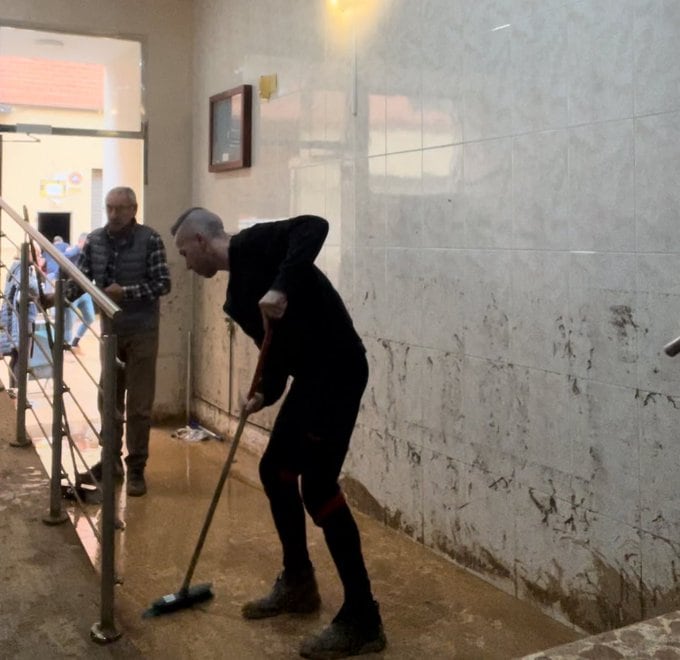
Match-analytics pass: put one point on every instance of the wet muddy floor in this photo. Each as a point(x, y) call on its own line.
point(430, 607)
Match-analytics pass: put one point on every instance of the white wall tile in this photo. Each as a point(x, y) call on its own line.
point(442, 73)
point(405, 367)
point(404, 217)
point(487, 85)
point(656, 49)
point(539, 71)
point(443, 198)
point(601, 187)
point(540, 190)
point(600, 60)
point(488, 193)
point(659, 464)
point(543, 412)
point(658, 318)
point(488, 399)
point(485, 15)
point(582, 545)
point(404, 285)
point(442, 401)
point(458, 520)
point(657, 168)
point(444, 485)
point(602, 300)
point(371, 205)
point(660, 568)
point(443, 302)
point(370, 121)
point(370, 294)
point(540, 323)
point(403, 103)
point(488, 303)
point(374, 401)
point(403, 486)
point(607, 448)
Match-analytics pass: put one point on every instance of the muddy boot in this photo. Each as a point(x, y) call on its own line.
point(351, 633)
point(95, 478)
point(296, 594)
point(136, 486)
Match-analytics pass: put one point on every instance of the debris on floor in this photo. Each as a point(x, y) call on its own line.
point(195, 433)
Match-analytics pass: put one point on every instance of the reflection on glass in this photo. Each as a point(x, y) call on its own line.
point(227, 130)
point(230, 129)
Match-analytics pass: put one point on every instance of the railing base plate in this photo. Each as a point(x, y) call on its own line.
point(49, 519)
point(104, 635)
point(14, 443)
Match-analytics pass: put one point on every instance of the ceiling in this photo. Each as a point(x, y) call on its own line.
point(19, 42)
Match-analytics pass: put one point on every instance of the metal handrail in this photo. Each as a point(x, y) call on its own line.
point(104, 631)
point(101, 300)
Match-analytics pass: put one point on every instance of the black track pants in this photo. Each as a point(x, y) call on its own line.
point(309, 441)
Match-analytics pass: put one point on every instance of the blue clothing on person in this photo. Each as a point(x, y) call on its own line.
point(51, 266)
point(83, 304)
point(9, 315)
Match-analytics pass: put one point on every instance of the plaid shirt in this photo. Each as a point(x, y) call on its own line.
point(156, 285)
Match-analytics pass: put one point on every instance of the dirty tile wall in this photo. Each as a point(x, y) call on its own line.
point(501, 181)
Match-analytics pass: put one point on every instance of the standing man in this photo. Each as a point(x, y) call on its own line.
point(273, 280)
point(127, 262)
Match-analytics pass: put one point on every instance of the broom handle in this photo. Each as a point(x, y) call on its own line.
point(257, 376)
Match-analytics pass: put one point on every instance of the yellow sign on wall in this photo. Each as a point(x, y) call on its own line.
point(52, 188)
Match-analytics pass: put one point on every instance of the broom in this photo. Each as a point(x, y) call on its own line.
point(188, 595)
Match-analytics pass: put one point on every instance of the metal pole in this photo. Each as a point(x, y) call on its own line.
point(56, 514)
point(105, 630)
point(103, 302)
point(22, 363)
point(188, 386)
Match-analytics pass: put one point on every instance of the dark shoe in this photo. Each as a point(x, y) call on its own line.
point(136, 486)
point(87, 479)
point(75, 342)
point(290, 594)
point(349, 634)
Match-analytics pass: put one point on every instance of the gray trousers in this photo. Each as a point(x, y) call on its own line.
point(135, 389)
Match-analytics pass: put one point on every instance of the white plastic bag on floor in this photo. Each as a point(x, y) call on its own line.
point(189, 434)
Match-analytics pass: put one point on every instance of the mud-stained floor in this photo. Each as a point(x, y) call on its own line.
point(430, 608)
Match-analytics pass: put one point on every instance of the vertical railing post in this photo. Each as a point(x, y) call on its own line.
point(105, 630)
point(24, 339)
point(56, 514)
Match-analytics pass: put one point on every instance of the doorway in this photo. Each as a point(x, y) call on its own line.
point(60, 153)
point(55, 224)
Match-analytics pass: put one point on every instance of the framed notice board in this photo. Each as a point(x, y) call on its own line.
point(230, 129)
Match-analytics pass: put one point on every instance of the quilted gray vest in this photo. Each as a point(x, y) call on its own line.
point(124, 261)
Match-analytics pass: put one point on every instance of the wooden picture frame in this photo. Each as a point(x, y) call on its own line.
point(230, 129)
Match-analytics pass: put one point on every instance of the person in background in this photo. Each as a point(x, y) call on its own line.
point(273, 282)
point(51, 266)
point(83, 304)
point(9, 313)
point(127, 261)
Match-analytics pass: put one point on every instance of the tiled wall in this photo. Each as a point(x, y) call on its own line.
point(501, 178)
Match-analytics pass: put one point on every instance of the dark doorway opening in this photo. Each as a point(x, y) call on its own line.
point(55, 224)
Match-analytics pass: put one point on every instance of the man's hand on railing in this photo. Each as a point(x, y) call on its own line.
point(115, 292)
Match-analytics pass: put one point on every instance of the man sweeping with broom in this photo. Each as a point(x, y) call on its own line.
point(273, 280)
